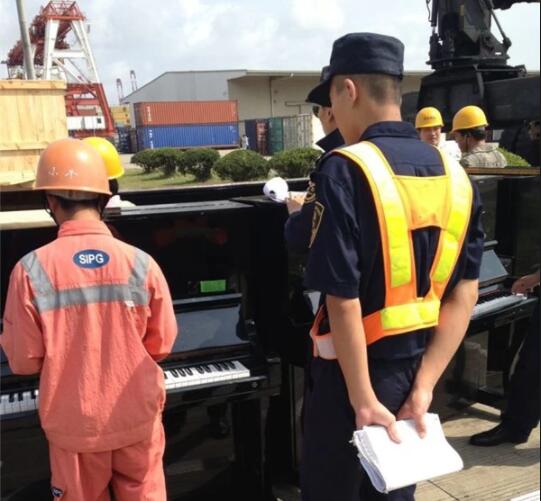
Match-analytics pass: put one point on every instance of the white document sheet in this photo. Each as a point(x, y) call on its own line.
point(391, 466)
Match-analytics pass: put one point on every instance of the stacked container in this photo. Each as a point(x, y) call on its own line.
point(121, 116)
point(187, 124)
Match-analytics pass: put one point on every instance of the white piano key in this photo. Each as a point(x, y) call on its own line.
point(27, 403)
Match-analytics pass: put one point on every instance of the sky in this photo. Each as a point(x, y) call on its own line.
point(153, 37)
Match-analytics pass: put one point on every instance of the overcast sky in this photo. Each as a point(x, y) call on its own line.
point(153, 37)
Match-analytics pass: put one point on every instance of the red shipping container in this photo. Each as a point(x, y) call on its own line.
point(185, 112)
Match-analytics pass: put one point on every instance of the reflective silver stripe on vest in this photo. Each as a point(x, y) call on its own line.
point(48, 298)
point(140, 268)
point(38, 276)
point(91, 295)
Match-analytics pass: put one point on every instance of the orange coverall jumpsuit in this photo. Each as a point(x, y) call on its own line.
point(93, 315)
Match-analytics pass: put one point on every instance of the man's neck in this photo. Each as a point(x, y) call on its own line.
point(372, 115)
point(78, 215)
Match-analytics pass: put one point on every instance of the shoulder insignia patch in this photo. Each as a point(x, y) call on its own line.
point(310, 193)
point(319, 209)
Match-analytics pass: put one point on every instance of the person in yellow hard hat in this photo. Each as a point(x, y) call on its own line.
point(429, 123)
point(469, 130)
point(93, 316)
point(113, 163)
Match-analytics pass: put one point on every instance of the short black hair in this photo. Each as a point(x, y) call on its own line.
point(97, 203)
point(113, 186)
point(384, 89)
point(479, 133)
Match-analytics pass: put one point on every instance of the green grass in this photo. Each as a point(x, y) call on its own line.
point(136, 179)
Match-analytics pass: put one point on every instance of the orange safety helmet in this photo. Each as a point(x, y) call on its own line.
point(73, 168)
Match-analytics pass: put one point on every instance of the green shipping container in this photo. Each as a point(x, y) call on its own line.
point(276, 135)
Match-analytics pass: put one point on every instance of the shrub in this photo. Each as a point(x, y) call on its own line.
point(145, 159)
point(166, 159)
point(198, 163)
point(294, 163)
point(514, 160)
point(242, 165)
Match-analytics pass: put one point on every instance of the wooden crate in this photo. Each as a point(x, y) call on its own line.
point(33, 114)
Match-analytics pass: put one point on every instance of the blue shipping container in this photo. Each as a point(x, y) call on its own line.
point(188, 136)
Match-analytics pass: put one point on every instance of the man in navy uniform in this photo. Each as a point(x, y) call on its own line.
point(395, 248)
point(299, 224)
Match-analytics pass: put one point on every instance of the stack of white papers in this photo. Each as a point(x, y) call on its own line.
point(391, 466)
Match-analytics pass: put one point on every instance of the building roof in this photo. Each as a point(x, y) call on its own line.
point(244, 73)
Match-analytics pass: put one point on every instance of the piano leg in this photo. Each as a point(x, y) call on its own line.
point(248, 438)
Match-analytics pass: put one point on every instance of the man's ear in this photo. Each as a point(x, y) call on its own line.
point(352, 89)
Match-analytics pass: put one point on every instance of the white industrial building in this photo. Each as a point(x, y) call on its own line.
point(259, 94)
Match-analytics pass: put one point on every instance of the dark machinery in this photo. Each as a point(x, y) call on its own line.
point(471, 66)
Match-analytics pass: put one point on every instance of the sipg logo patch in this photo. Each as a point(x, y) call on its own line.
point(91, 258)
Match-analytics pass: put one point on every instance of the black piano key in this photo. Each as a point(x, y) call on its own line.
point(230, 364)
point(182, 373)
point(189, 371)
point(20, 397)
point(207, 368)
point(165, 375)
point(218, 368)
point(224, 365)
point(175, 373)
point(200, 369)
point(11, 398)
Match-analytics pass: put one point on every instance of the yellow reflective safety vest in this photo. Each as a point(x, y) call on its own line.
point(404, 204)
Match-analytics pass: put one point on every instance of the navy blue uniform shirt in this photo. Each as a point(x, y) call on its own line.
point(299, 224)
point(345, 257)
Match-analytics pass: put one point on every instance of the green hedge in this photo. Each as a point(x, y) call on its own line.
point(198, 162)
point(146, 159)
point(294, 163)
point(242, 165)
point(161, 158)
point(514, 160)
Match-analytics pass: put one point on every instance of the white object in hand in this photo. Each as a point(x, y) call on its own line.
point(392, 466)
point(276, 189)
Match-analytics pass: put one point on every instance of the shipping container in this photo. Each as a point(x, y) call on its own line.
point(185, 112)
point(297, 132)
point(276, 135)
point(188, 136)
point(262, 132)
point(134, 146)
point(251, 132)
point(123, 140)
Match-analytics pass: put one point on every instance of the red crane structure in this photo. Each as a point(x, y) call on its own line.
point(61, 50)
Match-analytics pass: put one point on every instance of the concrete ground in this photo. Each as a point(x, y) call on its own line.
point(503, 473)
point(497, 473)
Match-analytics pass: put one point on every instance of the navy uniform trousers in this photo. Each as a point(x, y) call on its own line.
point(330, 468)
point(522, 413)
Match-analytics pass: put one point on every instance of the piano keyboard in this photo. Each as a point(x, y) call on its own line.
point(498, 303)
point(204, 374)
point(23, 401)
point(180, 377)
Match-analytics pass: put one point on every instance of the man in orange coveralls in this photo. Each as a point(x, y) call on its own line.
point(92, 315)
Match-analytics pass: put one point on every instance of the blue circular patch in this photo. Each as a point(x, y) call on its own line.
point(91, 258)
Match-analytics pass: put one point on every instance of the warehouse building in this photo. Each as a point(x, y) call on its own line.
point(259, 94)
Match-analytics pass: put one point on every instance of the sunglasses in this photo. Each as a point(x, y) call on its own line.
point(315, 111)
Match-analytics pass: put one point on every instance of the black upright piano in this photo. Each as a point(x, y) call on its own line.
point(218, 377)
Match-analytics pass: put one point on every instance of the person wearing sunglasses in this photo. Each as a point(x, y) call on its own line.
point(301, 209)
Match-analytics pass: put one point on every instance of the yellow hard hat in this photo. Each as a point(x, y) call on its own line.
point(110, 156)
point(469, 117)
point(428, 117)
point(71, 168)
